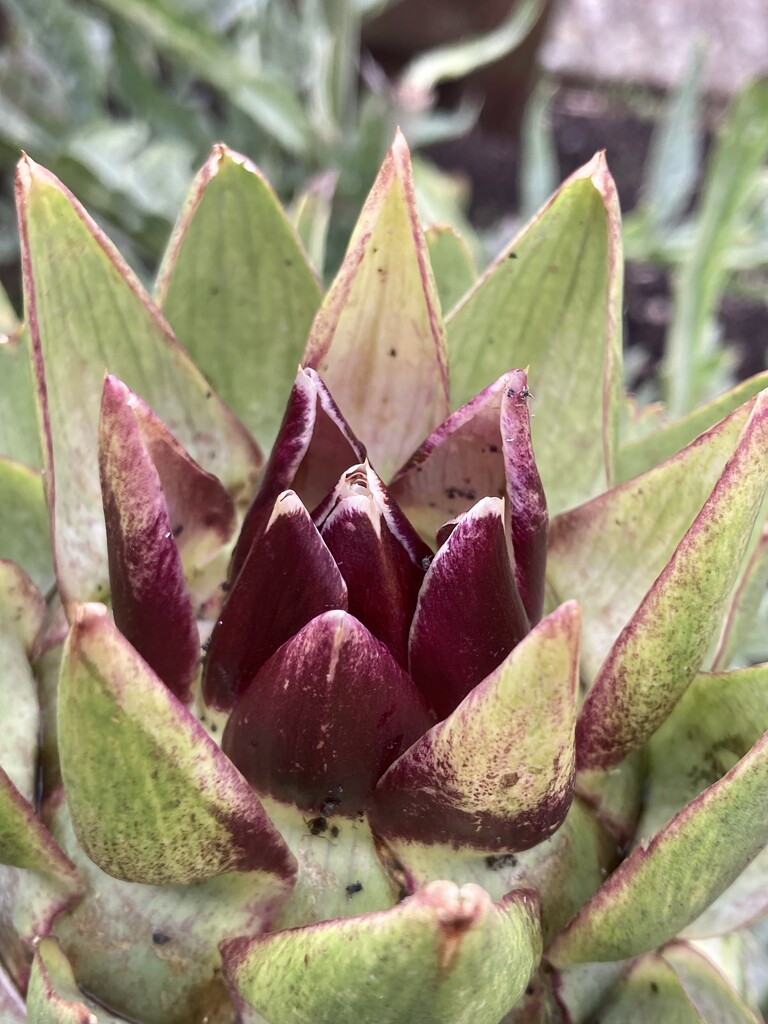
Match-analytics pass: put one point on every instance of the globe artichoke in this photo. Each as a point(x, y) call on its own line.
point(467, 741)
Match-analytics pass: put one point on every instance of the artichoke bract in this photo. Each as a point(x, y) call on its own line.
point(358, 667)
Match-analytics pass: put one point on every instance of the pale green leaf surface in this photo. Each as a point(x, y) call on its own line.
point(552, 302)
point(638, 456)
point(607, 553)
point(236, 288)
point(21, 618)
point(19, 436)
point(565, 870)
point(165, 938)
point(327, 863)
point(452, 264)
point(651, 991)
point(444, 956)
point(667, 881)
point(54, 996)
point(173, 808)
point(663, 645)
point(25, 533)
point(378, 340)
point(87, 314)
point(709, 992)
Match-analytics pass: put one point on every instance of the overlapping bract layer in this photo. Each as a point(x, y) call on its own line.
point(394, 654)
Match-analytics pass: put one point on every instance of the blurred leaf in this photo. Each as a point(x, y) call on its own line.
point(538, 158)
point(643, 454)
point(272, 105)
point(311, 216)
point(456, 60)
point(675, 154)
point(731, 175)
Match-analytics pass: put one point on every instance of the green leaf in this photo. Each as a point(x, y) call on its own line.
point(565, 870)
point(744, 604)
point(552, 302)
point(667, 881)
point(638, 456)
point(165, 937)
point(457, 60)
point(589, 556)
point(238, 291)
point(653, 990)
point(497, 773)
point(37, 881)
point(444, 956)
point(19, 438)
point(54, 996)
point(663, 645)
point(452, 264)
point(731, 175)
point(88, 314)
point(378, 340)
point(25, 534)
point(21, 618)
point(717, 720)
point(173, 809)
point(709, 992)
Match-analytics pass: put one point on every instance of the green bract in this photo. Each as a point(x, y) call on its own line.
point(465, 743)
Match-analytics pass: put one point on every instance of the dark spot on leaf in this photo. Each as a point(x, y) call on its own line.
point(393, 352)
point(493, 448)
point(354, 887)
point(317, 826)
point(334, 830)
point(214, 727)
point(512, 256)
point(209, 394)
point(225, 586)
point(654, 987)
point(178, 530)
point(504, 860)
point(160, 938)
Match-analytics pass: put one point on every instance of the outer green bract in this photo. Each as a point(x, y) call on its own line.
point(465, 742)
